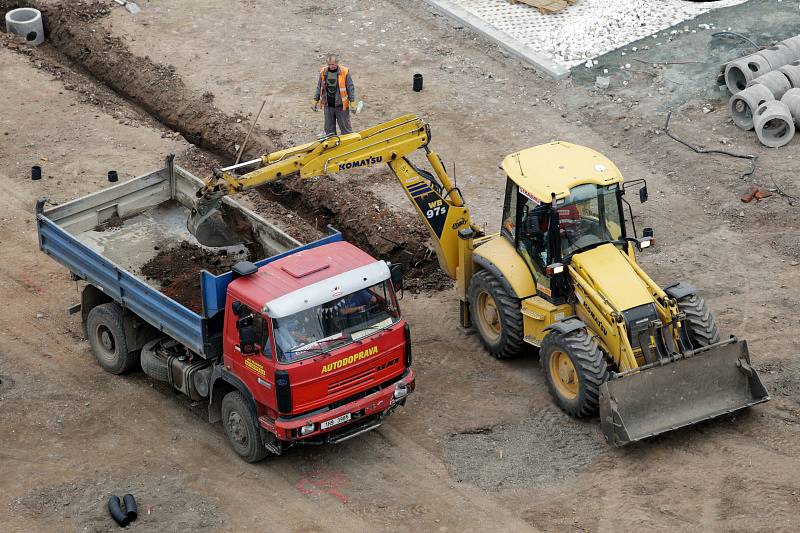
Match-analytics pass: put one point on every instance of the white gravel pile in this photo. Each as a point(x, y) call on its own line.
point(589, 28)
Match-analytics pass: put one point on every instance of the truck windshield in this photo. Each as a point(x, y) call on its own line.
point(335, 323)
point(590, 215)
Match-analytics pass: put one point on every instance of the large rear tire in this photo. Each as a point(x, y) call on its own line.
point(700, 323)
point(241, 428)
point(574, 368)
point(106, 332)
point(496, 315)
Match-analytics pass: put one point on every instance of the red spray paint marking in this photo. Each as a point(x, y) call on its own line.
point(323, 482)
point(23, 279)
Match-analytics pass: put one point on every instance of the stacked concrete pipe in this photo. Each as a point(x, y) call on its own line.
point(26, 22)
point(739, 73)
point(743, 104)
point(792, 101)
point(774, 124)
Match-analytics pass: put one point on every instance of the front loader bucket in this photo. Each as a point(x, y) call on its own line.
point(712, 381)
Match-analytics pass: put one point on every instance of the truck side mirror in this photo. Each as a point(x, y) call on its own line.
point(247, 335)
point(643, 194)
point(396, 273)
point(236, 307)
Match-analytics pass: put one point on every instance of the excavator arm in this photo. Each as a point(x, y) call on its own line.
point(434, 196)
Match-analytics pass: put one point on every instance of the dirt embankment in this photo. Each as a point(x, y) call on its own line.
point(363, 219)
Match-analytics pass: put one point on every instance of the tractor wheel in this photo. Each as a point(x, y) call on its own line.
point(574, 368)
point(496, 315)
point(700, 323)
point(241, 428)
point(104, 327)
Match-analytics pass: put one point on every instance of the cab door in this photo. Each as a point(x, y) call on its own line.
point(251, 357)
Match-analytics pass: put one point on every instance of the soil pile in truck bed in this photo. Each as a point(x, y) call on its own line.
point(177, 270)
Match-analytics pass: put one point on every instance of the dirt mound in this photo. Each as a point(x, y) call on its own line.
point(177, 270)
point(363, 219)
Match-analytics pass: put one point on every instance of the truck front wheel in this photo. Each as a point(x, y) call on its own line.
point(241, 428)
point(104, 327)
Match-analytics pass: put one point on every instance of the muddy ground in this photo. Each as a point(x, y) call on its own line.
point(479, 446)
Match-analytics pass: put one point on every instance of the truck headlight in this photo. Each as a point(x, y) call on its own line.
point(400, 392)
point(307, 429)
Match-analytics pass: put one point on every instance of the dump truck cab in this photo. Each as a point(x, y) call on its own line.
point(318, 340)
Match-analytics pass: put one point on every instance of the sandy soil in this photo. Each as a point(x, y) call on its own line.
point(480, 445)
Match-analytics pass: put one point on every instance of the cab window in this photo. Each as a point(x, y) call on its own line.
point(509, 224)
point(260, 328)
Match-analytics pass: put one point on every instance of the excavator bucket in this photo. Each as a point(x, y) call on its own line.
point(711, 382)
point(208, 225)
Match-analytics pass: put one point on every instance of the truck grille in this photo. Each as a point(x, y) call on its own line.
point(360, 378)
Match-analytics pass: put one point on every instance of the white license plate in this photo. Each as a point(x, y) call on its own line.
point(335, 421)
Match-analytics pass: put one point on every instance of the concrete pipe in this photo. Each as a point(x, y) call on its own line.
point(740, 72)
point(792, 101)
point(793, 44)
point(26, 22)
point(792, 72)
point(777, 56)
point(774, 124)
point(776, 81)
point(743, 104)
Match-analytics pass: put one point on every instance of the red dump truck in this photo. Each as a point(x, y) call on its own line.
point(305, 346)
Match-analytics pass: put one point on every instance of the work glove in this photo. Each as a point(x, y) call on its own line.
point(354, 107)
point(314, 105)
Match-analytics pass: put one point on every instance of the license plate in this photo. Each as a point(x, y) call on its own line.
point(335, 421)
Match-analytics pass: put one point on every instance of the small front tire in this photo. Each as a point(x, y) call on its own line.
point(699, 323)
point(574, 368)
point(241, 428)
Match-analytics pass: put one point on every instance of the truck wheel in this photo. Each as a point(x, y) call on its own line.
point(574, 368)
point(496, 315)
point(104, 327)
point(241, 428)
point(700, 323)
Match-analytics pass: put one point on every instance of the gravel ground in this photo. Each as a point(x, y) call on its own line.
point(590, 27)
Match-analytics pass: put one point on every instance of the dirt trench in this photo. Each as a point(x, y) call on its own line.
point(365, 220)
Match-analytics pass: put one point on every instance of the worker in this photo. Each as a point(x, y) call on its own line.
point(336, 94)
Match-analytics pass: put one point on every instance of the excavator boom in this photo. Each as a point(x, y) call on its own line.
point(435, 197)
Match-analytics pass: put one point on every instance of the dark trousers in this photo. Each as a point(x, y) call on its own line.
point(334, 115)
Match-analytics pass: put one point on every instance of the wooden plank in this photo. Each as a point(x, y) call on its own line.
point(546, 6)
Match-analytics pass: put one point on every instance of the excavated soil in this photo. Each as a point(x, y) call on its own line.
point(177, 270)
point(358, 213)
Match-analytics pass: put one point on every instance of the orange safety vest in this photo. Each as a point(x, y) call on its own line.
point(323, 98)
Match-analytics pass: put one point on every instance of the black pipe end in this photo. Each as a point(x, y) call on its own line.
point(131, 509)
point(36, 172)
point(112, 176)
point(417, 85)
point(116, 512)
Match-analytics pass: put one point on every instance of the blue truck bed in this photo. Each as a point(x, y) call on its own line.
point(103, 238)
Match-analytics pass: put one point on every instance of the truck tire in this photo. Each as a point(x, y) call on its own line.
point(496, 315)
point(574, 368)
point(104, 327)
point(700, 323)
point(241, 428)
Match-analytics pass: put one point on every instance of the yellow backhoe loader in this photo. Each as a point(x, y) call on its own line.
point(561, 275)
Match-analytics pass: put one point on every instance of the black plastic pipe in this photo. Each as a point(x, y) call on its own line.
point(112, 176)
point(116, 512)
point(36, 172)
point(130, 507)
point(417, 83)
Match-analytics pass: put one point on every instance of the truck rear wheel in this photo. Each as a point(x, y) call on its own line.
point(241, 428)
point(574, 368)
point(104, 327)
point(496, 315)
point(700, 323)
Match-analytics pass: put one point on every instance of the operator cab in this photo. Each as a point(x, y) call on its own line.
point(562, 199)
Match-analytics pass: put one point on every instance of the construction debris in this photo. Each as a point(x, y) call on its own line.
point(755, 193)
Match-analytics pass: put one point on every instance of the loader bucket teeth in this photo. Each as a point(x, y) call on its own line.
point(208, 226)
point(712, 382)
